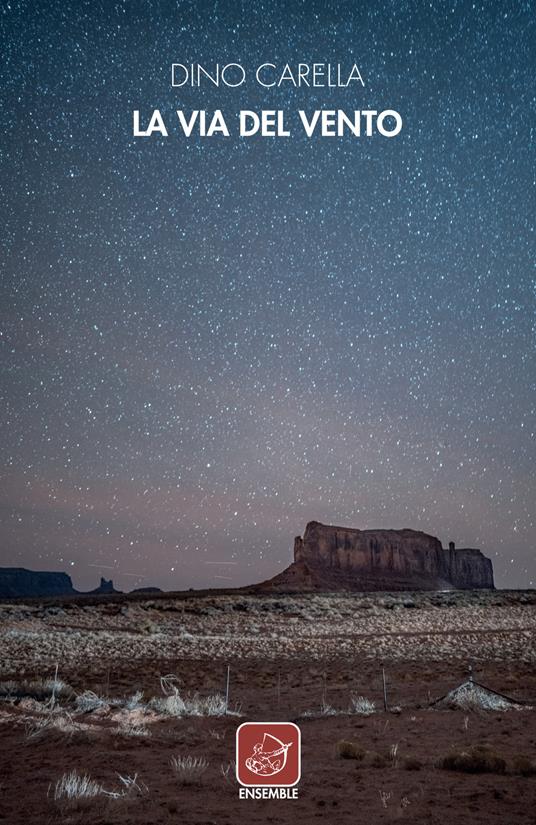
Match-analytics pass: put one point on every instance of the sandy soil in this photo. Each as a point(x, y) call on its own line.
point(289, 658)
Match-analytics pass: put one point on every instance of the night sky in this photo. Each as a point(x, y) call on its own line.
point(208, 342)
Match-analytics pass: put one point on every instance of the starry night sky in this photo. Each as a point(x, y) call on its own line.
point(209, 342)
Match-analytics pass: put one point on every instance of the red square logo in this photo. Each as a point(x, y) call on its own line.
point(268, 753)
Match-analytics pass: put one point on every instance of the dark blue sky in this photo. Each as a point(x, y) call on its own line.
point(209, 342)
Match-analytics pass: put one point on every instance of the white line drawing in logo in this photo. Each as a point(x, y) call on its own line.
point(265, 761)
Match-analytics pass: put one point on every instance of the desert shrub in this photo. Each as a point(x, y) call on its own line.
point(35, 689)
point(54, 687)
point(361, 705)
point(128, 730)
point(135, 701)
point(478, 759)
point(377, 760)
point(168, 705)
point(148, 627)
point(8, 689)
point(412, 764)
point(173, 704)
point(326, 709)
point(189, 769)
point(88, 701)
point(176, 705)
point(524, 765)
point(52, 722)
point(471, 696)
point(210, 706)
point(349, 750)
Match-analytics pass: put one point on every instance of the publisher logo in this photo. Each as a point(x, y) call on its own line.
point(268, 754)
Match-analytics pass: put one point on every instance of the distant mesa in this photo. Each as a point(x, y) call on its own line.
point(326, 559)
point(343, 558)
point(17, 583)
point(146, 590)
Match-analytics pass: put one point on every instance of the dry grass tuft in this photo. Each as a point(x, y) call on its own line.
point(350, 750)
point(176, 705)
point(89, 701)
point(59, 722)
point(524, 765)
point(361, 705)
point(372, 759)
point(412, 764)
point(189, 770)
point(132, 730)
point(74, 786)
point(228, 771)
point(39, 689)
point(478, 759)
point(377, 760)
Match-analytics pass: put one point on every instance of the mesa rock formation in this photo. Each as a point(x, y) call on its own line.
point(343, 558)
point(17, 583)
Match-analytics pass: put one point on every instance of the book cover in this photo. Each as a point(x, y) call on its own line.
point(268, 383)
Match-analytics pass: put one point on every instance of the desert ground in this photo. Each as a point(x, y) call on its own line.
point(130, 694)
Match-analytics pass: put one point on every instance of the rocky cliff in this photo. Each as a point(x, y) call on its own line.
point(343, 558)
point(106, 586)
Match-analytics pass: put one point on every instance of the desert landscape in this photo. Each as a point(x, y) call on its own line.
point(267, 443)
point(124, 708)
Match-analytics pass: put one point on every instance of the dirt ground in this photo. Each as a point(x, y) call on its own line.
point(338, 647)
